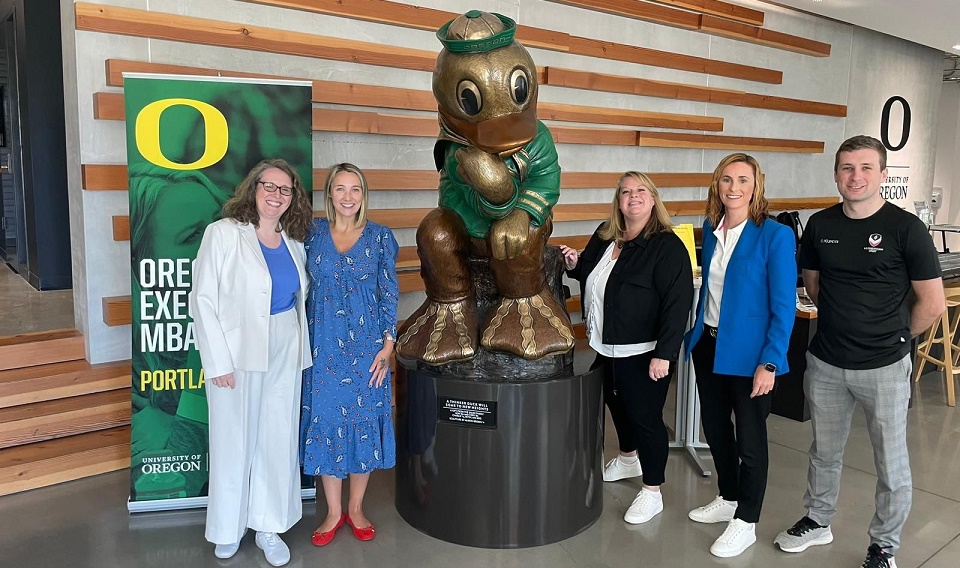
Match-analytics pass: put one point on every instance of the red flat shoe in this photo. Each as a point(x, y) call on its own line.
point(324, 538)
point(364, 534)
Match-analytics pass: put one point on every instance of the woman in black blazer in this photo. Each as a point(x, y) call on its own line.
point(636, 286)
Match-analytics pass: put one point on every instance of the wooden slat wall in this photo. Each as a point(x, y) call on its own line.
point(360, 122)
point(410, 218)
point(555, 76)
point(705, 23)
point(141, 23)
point(117, 309)
point(113, 177)
point(413, 99)
point(110, 106)
point(397, 14)
point(721, 18)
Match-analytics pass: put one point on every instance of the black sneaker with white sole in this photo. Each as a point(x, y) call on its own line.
point(877, 557)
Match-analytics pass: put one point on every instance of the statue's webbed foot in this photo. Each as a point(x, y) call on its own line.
point(440, 332)
point(531, 327)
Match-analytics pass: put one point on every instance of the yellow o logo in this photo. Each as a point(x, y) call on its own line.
point(148, 134)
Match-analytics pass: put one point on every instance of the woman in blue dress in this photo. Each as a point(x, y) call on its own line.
point(347, 426)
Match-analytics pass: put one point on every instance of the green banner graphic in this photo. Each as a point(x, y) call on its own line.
point(189, 142)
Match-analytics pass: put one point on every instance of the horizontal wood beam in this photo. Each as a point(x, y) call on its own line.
point(656, 58)
point(186, 29)
point(113, 177)
point(718, 8)
point(639, 10)
point(762, 36)
point(706, 23)
point(110, 106)
point(741, 143)
point(559, 77)
point(416, 17)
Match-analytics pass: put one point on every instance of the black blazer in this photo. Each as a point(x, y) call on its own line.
point(648, 295)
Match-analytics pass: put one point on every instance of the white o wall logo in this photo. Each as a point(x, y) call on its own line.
point(874, 239)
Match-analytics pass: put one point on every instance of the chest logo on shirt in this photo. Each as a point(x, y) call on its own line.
point(873, 241)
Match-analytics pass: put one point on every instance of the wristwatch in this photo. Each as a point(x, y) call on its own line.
point(770, 367)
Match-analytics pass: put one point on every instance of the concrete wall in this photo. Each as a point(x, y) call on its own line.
point(862, 63)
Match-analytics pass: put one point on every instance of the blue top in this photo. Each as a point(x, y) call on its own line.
point(758, 303)
point(283, 273)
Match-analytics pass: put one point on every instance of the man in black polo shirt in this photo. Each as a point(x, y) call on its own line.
point(860, 260)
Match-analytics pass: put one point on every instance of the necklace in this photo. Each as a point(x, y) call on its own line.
point(619, 244)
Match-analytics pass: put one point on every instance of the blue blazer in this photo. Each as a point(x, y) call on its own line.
point(758, 304)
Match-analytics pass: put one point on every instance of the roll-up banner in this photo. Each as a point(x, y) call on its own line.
point(190, 141)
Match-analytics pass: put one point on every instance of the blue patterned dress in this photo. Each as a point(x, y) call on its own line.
point(346, 425)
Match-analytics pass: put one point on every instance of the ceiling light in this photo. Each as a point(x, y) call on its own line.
point(957, 46)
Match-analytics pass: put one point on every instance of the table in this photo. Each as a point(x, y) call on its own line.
point(943, 230)
point(950, 265)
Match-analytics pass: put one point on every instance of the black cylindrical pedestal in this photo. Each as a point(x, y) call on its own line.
point(499, 465)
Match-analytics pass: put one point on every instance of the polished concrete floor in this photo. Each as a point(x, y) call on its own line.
point(23, 309)
point(85, 524)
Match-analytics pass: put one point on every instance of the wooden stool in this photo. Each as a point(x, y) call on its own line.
point(951, 351)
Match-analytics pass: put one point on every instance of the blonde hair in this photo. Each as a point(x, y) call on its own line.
point(758, 203)
point(615, 225)
point(328, 199)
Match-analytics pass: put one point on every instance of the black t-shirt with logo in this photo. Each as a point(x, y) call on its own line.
point(866, 266)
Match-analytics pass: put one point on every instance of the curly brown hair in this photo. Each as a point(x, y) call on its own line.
point(758, 204)
point(296, 220)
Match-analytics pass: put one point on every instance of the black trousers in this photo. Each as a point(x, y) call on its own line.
point(636, 407)
point(739, 450)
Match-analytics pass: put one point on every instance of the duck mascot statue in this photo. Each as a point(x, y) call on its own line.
point(499, 180)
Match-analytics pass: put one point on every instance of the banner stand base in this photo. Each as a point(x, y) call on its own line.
point(190, 503)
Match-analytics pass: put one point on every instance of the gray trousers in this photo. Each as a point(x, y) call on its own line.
point(884, 394)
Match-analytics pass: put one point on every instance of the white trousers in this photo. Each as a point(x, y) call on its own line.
point(254, 443)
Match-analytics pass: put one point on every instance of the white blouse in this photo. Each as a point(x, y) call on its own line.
point(718, 270)
point(595, 287)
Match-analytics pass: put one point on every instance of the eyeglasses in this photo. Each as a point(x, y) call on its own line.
point(271, 187)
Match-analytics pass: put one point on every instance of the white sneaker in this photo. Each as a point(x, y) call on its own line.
point(737, 537)
point(224, 551)
point(647, 505)
point(616, 469)
point(717, 511)
point(273, 548)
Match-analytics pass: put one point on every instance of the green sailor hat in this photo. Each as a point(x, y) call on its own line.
point(477, 32)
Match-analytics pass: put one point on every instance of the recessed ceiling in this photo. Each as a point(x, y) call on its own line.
point(934, 23)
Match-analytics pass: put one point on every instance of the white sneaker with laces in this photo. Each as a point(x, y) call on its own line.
point(616, 469)
point(647, 505)
point(224, 551)
point(717, 511)
point(737, 537)
point(274, 549)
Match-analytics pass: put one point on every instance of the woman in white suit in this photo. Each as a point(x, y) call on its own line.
point(249, 287)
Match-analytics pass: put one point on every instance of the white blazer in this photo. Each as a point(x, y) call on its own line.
point(230, 299)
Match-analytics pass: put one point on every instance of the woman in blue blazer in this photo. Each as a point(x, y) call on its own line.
point(739, 342)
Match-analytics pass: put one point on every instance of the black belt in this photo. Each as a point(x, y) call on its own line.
point(712, 331)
